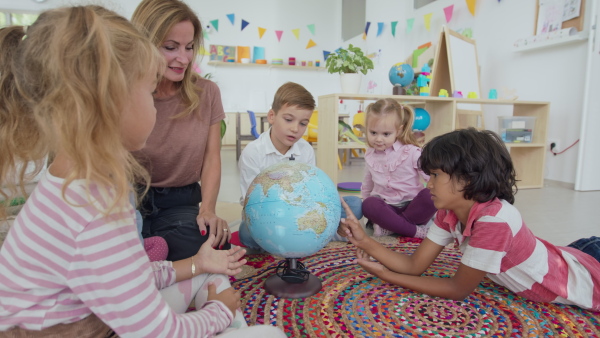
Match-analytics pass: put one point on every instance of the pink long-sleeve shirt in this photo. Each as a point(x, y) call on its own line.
point(393, 174)
point(61, 262)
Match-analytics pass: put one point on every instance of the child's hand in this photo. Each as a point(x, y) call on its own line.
point(210, 260)
point(351, 227)
point(373, 267)
point(230, 297)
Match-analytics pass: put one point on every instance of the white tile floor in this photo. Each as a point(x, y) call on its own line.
point(554, 213)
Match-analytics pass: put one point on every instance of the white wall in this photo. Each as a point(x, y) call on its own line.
point(556, 74)
point(251, 88)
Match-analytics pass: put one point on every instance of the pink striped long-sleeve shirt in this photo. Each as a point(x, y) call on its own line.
point(62, 262)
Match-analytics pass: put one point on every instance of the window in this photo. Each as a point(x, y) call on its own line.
point(22, 19)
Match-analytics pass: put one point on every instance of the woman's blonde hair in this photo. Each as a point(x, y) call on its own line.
point(156, 18)
point(405, 117)
point(63, 88)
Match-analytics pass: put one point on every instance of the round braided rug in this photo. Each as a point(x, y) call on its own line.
point(353, 303)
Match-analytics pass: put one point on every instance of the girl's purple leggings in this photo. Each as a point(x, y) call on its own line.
point(402, 221)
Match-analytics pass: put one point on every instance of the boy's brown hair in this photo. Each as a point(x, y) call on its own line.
point(293, 94)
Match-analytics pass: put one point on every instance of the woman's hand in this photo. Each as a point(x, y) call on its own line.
point(216, 225)
point(350, 227)
point(209, 260)
point(230, 297)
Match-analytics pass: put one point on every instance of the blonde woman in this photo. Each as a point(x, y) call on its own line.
point(79, 81)
point(184, 147)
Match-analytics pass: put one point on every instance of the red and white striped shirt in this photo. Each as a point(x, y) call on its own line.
point(62, 262)
point(497, 241)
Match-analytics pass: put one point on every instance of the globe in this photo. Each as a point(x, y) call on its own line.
point(401, 74)
point(422, 120)
point(292, 209)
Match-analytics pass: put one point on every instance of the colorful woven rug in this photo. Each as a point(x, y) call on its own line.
point(353, 303)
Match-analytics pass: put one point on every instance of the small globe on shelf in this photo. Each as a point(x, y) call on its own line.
point(292, 210)
point(422, 120)
point(401, 76)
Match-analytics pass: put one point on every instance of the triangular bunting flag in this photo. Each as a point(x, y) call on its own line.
point(379, 28)
point(310, 44)
point(231, 18)
point(326, 54)
point(427, 19)
point(278, 33)
point(409, 24)
point(366, 30)
point(471, 5)
point(448, 11)
point(205, 34)
point(296, 33)
point(244, 24)
point(215, 24)
point(394, 24)
point(311, 28)
point(261, 32)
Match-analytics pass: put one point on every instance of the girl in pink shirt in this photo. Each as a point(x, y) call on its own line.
point(395, 200)
point(79, 84)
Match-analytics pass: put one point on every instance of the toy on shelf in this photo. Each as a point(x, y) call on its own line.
point(346, 133)
point(422, 120)
point(423, 84)
point(443, 93)
point(457, 93)
point(401, 76)
point(472, 95)
point(423, 80)
point(493, 94)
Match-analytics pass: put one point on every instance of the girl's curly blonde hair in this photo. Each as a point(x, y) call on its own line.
point(63, 88)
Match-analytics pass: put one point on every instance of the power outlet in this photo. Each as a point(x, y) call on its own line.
point(556, 145)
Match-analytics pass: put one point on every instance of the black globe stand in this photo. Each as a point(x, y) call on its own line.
point(292, 280)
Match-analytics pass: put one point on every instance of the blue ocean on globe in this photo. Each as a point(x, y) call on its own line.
point(401, 74)
point(292, 209)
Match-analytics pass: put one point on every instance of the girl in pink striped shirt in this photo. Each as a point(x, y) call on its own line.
point(78, 84)
point(472, 183)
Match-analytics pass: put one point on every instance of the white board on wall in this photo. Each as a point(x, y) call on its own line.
point(464, 67)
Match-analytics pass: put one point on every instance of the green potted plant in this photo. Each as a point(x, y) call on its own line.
point(349, 63)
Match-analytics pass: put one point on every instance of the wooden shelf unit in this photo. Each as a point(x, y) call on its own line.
point(528, 158)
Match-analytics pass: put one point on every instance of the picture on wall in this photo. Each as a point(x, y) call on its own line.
point(550, 16)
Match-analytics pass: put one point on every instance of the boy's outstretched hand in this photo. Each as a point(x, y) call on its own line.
point(373, 267)
point(210, 260)
point(350, 227)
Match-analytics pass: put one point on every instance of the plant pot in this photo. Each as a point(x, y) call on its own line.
point(350, 82)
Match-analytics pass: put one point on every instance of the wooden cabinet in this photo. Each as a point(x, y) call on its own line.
point(528, 158)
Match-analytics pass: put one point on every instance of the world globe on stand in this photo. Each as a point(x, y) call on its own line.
point(292, 209)
point(401, 74)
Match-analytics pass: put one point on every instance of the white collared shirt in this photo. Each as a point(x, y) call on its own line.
point(261, 153)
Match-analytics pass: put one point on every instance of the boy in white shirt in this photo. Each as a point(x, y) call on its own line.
point(289, 115)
